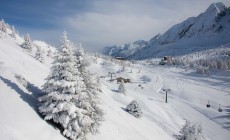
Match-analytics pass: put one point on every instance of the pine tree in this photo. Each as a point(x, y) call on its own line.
point(13, 34)
point(92, 86)
point(49, 53)
point(123, 68)
point(40, 54)
point(134, 109)
point(27, 44)
point(65, 100)
point(3, 26)
point(121, 88)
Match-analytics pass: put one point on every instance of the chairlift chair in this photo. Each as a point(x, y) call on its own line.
point(208, 105)
point(220, 109)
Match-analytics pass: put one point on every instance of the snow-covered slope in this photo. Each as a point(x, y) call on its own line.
point(19, 119)
point(189, 93)
point(208, 30)
point(46, 47)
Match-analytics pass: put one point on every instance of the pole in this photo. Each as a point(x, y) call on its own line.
point(166, 98)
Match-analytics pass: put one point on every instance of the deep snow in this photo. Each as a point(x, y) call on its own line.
point(189, 93)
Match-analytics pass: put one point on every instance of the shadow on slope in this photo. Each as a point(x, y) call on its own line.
point(31, 100)
point(214, 80)
point(226, 117)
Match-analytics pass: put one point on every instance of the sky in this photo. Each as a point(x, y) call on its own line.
point(98, 23)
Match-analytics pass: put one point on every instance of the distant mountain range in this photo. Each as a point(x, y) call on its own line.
point(210, 29)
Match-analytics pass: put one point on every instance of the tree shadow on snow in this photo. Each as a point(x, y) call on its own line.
point(30, 99)
point(124, 109)
point(155, 100)
point(226, 116)
point(223, 81)
point(114, 90)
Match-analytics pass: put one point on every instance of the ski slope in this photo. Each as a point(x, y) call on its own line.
point(187, 99)
point(189, 93)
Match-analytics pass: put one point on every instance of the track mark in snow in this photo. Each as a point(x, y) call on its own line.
point(180, 89)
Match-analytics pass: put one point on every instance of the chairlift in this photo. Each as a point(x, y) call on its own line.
point(208, 105)
point(220, 109)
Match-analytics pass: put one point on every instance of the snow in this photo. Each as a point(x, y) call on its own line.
point(187, 98)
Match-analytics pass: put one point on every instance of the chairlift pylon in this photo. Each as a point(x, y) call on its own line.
point(208, 105)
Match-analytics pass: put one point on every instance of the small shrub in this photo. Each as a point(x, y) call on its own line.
point(134, 109)
point(191, 132)
point(21, 80)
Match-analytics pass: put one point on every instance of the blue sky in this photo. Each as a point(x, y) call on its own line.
point(98, 23)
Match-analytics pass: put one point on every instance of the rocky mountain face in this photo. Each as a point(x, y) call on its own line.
point(210, 29)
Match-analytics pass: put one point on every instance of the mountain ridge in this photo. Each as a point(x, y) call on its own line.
point(210, 29)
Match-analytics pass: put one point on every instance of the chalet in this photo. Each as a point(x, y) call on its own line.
point(121, 78)
point(165, 60)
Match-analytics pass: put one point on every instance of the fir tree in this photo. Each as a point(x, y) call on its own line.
point(66, 100)
point(3, 26)
point(83, 63)
point(134, 109)
point(121, 88)
point(40, 54)
point(13, 34)
point(49, 53)
point(27, 44)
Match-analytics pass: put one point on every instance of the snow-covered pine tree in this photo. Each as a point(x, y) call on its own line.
point(13, 34)
point(123, 68)
point(65, 100)
point(121, 88)
point(92, 87)
point(191, 132)
point(40, 54)
point(49, 53)
point(27, 44)
point(3, 26)
point(134, 109)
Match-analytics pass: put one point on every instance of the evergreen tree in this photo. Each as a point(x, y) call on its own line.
point(191, 132)
point(3, 26)
point(13, 34)
point(27, 44)
point(83, 63)
point(123, 68)
point(49, 53)
point(134, 109)
point(40, 54)
point(121, 88)
point(65, 99)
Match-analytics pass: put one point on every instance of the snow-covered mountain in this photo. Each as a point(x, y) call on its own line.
point(125, 49)
point(208, 30)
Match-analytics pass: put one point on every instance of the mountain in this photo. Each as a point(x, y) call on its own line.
point(210, 29)
point(125, 49)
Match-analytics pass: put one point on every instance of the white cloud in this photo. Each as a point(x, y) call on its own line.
point(109, 22)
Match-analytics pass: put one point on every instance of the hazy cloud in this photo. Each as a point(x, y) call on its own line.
point(97, 23)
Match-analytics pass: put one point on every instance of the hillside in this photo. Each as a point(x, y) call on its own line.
point(208, 30)
point(187, 99)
